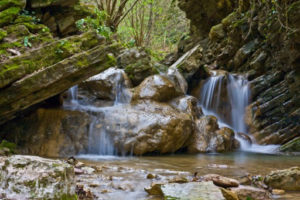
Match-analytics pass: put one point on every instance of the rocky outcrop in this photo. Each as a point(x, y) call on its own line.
point(209, 138)
point(50, 132)
point(205, 14)
point(291, 146)
point(249, 41)
point(42, 73)
point(29, 177)
point(248, 192)
point(287, 179)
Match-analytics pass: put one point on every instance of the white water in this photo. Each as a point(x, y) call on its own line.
point(226, 97)
point(99, 141)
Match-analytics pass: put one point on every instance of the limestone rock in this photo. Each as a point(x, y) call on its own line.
point(287, 179)
point(192, 191)
point(157, 88)
point(145, 127)
point(187, 104)
point(106, 85)
point(209, 138)
point(246, 192)
point(31, 177)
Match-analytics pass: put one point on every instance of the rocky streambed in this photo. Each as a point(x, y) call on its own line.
point(211, 176)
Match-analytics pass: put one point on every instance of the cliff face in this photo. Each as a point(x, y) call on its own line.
point(262, 40)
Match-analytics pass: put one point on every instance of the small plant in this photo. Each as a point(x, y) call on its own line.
point(96, 23)
point(26, 42)
point(8, 145)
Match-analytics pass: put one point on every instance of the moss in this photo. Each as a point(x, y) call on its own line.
point(8, 145)
point(30, 184)
point(3, 34)
point(7, 16)
point(227, 21)
point(4, 4)
point(68, 197)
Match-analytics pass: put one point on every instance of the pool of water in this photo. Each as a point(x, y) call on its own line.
point(133, 170)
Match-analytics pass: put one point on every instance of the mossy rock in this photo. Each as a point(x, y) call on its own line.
point(3, 34)
point(291, 146)
point(7, 16)
point(217, 32)
point(227, 21)
point(47, 3)
point(18, 67)
point(4, 4)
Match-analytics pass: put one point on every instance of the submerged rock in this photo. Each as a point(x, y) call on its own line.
point(287, 179)
point(209, 138)
point(31, 177)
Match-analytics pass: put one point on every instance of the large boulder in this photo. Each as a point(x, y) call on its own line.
point(30, 177)
point(45, 72)
point(106, 85)
point(209, 138)
point(143, 127)
point(287, 179)
point(137, 64)
point(157, 88)
point(50, 132)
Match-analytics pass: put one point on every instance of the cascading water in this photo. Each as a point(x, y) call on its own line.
point(226, 96)
point(99, 141)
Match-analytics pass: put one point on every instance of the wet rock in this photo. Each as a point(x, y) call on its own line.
point(151, 176)
point(245, 137)
point(291, 146)
point(179, 179)
point(209, 138)
point(106, 85)
point(187, 104)
point(145, 127)
point(221, 180)
point(78, 171)
point(229, 195)
point(192, 191)
point(157, 88)
point(155, 189)
point(137, 65)
point(34, 177)
point(50, 132)
point(83, 193)
point(88, 170)
point(287, 179)
point(246, 192)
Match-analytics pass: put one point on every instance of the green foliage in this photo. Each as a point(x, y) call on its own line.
point(95, 23)
point(8, 145)
point(26, 42)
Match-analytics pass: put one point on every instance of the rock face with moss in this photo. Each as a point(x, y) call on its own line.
point(45, 72)
point(253, 40)
point(30, 177)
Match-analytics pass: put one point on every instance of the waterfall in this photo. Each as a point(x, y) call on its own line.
point(226, 96)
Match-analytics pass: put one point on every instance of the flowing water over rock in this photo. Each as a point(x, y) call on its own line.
point(226, 96)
